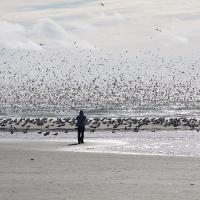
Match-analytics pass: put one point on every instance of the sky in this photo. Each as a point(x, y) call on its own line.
point(129, 24)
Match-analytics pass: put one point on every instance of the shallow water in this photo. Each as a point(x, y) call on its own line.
point(164, 143)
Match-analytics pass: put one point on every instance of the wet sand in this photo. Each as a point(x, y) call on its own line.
point(57, 175)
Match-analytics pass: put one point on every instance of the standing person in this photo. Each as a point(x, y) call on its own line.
point(81, 118)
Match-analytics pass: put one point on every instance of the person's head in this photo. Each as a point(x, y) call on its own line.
point(81, 113)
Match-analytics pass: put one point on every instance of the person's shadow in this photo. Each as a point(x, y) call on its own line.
point(73, 144)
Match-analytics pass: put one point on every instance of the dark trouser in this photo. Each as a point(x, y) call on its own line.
point(81, 134)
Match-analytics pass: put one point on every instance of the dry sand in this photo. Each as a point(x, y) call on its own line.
point(56, 175)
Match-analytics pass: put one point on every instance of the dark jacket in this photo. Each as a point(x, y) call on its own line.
point(81, 118)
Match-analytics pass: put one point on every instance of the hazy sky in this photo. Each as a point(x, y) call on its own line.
point(119, 24)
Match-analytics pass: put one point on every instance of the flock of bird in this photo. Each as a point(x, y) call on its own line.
point(61, 82)
point(47, 126)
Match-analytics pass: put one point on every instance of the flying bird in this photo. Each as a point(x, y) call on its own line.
point(102, 4)
point(157, 29)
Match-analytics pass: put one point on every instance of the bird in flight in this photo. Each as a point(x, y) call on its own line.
point(102, 4)
point(157, 29)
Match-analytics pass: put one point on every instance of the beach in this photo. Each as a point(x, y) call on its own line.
point(99, 100)
point(34, 169)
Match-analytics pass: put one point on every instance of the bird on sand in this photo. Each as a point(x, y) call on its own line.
point(47, 133)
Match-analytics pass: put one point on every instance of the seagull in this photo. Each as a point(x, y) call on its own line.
point(102, 4)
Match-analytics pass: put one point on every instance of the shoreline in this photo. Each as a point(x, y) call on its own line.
point(89, 144)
